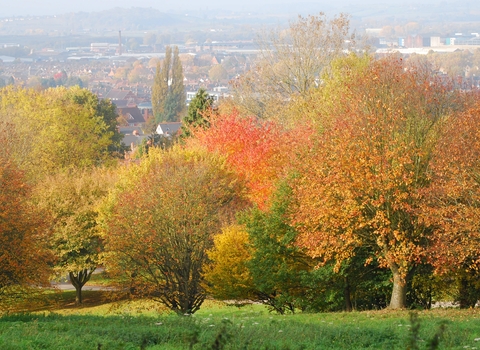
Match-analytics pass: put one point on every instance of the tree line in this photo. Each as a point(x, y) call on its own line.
point(358, 191)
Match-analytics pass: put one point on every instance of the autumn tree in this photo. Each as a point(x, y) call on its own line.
point(454, 64)
point(291, 61)
point(453, 205)
point(168, 91)
point(218, 73)
point(150, 39)
point(138, 73)
point(260, 261)
point(24, 257)
point(70, 202)
point(162, 224)
point(58, 128)
point(260, 152)
point(361, 186)
point(227, 276)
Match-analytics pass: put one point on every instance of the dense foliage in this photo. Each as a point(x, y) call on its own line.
point(24, 255)
point(160, 227)
point(58, 128)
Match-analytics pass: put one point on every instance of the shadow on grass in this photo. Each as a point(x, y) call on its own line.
point(55, 300)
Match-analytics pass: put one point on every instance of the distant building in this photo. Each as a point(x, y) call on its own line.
point(218, 93)
point(168, 129)
point(117, 94)
point(435, 41)
point(133, 116)
point(132, 136)
point(414, 41)
point(373, 31)
point(103, 47)
point(450, 41)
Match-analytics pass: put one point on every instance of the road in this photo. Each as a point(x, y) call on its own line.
point(69, 286)
point(65, 284)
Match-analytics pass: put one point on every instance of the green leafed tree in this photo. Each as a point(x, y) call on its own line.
point(199, 110)
point(103, 111)
point(277, 266)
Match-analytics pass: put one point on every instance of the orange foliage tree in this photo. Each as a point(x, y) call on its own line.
point(361, 185)
point(24, 259)
point(453, 205)
point(260, 152)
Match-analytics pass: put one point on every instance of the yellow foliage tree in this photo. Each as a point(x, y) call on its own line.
point(227, 276)
point(58, 128)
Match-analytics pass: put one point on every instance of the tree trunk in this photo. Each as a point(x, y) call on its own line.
point(78, 295)
point(399, 291)
point(78, 280)
point(466, 293)
point(347, 296)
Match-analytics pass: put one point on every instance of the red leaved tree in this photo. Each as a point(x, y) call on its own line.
point(260, 152)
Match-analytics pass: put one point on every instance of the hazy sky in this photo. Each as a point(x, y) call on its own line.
point(45, 7)
point(52, 7)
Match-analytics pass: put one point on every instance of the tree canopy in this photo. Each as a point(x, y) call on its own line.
point(290, 62)
point(362, 185)
point(161, 226)
point(70, 200)
point(58, 128)
point(199, 109)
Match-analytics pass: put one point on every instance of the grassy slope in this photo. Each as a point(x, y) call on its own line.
point(135, 325)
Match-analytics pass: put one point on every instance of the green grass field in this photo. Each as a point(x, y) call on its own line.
point(124, 324)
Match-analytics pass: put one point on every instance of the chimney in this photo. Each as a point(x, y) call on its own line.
point(119, 42)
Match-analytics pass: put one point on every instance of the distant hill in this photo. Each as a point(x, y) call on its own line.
point(133, 19)
point(439, 17)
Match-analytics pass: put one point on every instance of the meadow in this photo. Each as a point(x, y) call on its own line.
point(140, 324)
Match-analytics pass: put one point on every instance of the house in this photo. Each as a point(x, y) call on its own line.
point(117, 94)
point(124, 103)
point(168, 129)
point(132, 115)
point(147, 105)
point(132, 136)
